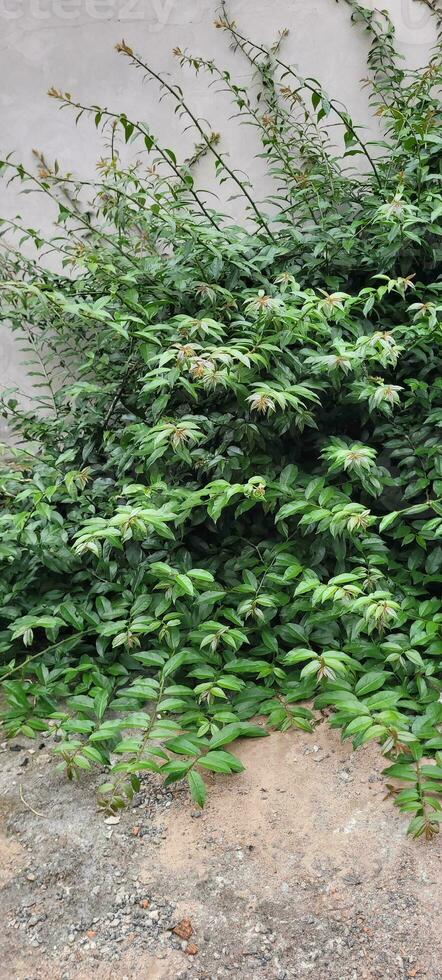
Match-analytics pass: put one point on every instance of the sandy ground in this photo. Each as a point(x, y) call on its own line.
point(296, 868)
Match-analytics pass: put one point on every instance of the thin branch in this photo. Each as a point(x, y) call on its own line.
point(302, 83)
point(124, 49)
point(55, 94)
point(28, 805)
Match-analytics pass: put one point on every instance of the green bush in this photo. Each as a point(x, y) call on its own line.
point(226, 501)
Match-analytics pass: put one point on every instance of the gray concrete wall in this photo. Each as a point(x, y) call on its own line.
point(70, 44)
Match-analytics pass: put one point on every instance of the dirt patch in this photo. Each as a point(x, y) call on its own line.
point(297, 867)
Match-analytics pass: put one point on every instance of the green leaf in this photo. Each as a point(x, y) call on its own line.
point(177, 768)
point(388, 520)
point(150, 659)
point(433, 563)
point(432, 772)
point(298, 655)
point(174, 663)
point(107, 731)
point(128, 745)
point(371, 681)
point(100, 702)
point(197, 788)
point(227, 734)
point(185, 584)
point(401, 771)
point(221, 762)
point(185, 745)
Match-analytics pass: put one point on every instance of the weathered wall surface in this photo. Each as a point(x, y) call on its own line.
point(70, 44)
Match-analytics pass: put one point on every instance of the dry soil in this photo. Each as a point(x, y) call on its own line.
point(298, 867)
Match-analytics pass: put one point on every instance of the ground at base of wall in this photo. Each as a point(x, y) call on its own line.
point(296, 868)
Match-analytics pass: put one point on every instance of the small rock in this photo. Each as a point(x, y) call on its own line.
point(191, 949)
point(183, 929)
point(345, 776)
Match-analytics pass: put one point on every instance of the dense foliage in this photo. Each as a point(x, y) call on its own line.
point(226, 502)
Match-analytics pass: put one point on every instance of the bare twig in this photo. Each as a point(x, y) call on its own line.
point(28, 805)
